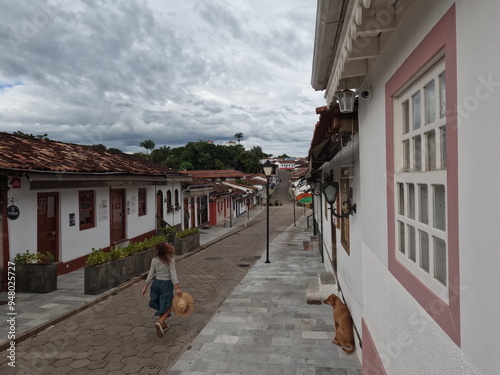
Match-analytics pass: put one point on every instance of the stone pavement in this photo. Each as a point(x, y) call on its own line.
point(36, 312)
point(265, 325)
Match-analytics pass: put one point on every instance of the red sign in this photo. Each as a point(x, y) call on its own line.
point(304, 198)
point(15, 182)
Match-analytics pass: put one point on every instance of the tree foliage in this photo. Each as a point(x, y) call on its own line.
point(148, 144)
point(239, 136)
point(203, 155)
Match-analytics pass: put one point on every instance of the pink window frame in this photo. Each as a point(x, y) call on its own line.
point(442, 38)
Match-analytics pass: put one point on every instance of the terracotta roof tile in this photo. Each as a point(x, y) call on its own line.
point(224, 173)
point(28, 153)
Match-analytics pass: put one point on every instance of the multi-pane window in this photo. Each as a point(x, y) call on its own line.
point(420, 179)
point(176, 197)
point(345, 193)
point(169, 200)
point(86, 207)
point(142, 201)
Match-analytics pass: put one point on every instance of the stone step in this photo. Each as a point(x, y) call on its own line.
point(320, 287)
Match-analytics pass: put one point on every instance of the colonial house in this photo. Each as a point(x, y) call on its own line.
point(242, 197)
point(220, 204)
point(411, 236)
point(196, 202)
point(66, 199)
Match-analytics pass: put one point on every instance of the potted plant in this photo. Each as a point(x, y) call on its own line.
point(35, 272)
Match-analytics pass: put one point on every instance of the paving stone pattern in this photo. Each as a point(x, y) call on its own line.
point(265, 326)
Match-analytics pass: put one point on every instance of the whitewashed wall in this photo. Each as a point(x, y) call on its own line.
point(176, 216)
point(73, 242)
point(19, 229)
point(479, 178)
point(348, 265)
point(405, 335)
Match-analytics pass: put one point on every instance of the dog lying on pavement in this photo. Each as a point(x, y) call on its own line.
point(344, 334)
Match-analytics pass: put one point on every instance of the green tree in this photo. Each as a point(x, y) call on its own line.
point(39, 136)
point(115, 151)
point(99, 147)
point(238, 136)
point(186, 166)
point(257, 150)
point(148, 145)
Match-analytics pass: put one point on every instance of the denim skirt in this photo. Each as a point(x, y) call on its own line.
point(161, 295)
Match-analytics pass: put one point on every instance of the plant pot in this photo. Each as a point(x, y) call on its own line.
point(36, 278)
point(101, 277)
point(186, 244)
point(142, 261)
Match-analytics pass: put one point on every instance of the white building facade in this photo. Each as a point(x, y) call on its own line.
point(415, 263)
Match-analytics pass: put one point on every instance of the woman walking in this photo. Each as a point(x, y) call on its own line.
point(162, 287)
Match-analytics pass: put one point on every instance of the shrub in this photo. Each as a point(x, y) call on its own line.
point(186, 232)
point(99, 256)
point(33, 258)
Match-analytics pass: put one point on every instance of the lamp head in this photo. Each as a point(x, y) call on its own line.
point(346, 100)
point(330, 189)
point(268, 168)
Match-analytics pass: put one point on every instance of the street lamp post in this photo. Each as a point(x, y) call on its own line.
point(248, 204)
point(294, 204)
point(230, 208)
point(268, 168)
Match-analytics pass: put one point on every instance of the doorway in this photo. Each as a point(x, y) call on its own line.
point(117, 215)
point(48, 224)
point(160, 223)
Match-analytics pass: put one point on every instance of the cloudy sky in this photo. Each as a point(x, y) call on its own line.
point(120, 72)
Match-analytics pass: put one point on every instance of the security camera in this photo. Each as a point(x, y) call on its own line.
point(366, 93)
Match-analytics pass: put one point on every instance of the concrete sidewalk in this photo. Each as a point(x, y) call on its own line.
point(265, 325)
point(36, 312)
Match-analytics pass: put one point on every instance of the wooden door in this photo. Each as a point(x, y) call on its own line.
point(117, 215)
point(48, 223)
point(160, 223)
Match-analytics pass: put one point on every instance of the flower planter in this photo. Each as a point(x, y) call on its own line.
point(101, 277)
point(36, 278)
point(142, 261)
point(186, 244)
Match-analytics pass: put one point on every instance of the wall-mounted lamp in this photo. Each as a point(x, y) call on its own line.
point(315, 186)
point(330, 189)
point(346, 100)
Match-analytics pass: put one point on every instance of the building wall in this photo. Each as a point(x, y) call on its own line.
point(174, 217)
point(73, 242)
point(406, 336)
point(478, 135)
point(348, 264)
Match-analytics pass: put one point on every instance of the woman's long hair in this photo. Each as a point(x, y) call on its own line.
point(165, 252)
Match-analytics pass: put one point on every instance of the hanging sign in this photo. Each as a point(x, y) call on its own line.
point(304, 198)
point(13, 212)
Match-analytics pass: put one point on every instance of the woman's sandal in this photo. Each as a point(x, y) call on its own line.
point(165, 326)
point(159, 329)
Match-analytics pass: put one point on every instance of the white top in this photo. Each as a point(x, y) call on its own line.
point(162, 271)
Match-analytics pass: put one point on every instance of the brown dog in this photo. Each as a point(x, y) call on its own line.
point(344, 334)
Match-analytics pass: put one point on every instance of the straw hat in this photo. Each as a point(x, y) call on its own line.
point(183, 306)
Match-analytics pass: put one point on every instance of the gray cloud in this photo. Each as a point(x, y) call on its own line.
point(120, 72)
